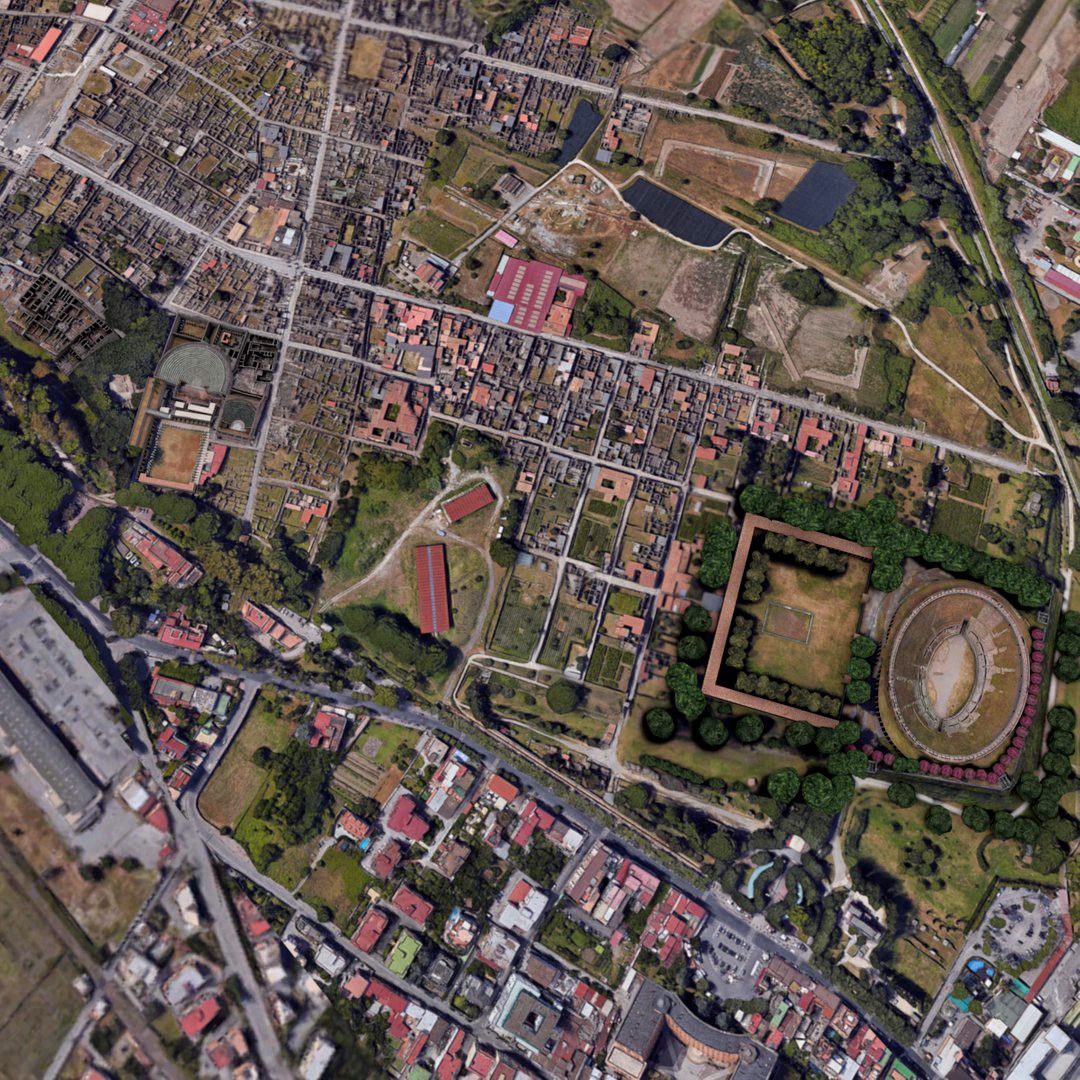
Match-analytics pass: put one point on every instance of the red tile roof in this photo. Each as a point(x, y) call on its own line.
point(501, 788)
point(199, 1018)
point(411, 905)
point(404, 819)
point(370, 929)
point(468, 503)
point(433, 589)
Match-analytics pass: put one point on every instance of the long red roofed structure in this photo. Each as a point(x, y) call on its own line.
point(433, 589)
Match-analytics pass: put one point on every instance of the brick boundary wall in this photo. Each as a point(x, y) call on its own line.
point(752, 524)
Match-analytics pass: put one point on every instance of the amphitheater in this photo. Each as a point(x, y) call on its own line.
point(954, 674)
point(196, 364)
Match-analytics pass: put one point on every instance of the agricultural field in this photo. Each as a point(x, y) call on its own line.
point(610, 665)
point(436, 234)
point(1064, 114)
point(569, 633)
point(338, 882)
point(594, 538)
point(376, 762)
point(38, 1004)
point(805, 623)
point(958, 520)
point(524, 608)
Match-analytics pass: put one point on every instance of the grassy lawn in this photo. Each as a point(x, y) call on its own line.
point(291, 867)
point(391, 736)
point(821, 662)
point(378, 521)
point(25, 345)
point(236, 781)
point(436, 234)
point(339, 882)
point(733, 762)
point(1064, 115)
point(37, 1001)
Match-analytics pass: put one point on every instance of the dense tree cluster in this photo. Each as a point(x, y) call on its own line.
point(717, 550)
point(809, 287)
point(739, 639)
point(829, 794)
point(682, 681)
point(877, 527)
point(755, 581)
point(846, 59)
point(660, 724)
point(383, 633)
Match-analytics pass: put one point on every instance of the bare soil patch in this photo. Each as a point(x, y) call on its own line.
point(695, 297)
point(365, 57)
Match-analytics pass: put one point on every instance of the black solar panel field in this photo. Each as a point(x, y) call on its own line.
point(818, 195)
point(677, 216)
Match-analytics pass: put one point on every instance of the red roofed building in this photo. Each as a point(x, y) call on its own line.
point(46, 44)
point(404, 819)
point(355, 987)
point(179, 631)
point(464, 505)
point(523, 292)
point(197, 1020)
point(370, 929)
point(170, 744)
point(327, 731)
point(387, 997)
point(433, 589)
point(349, 826)
point(386, 860)
point(411, 905)
point(502, 791)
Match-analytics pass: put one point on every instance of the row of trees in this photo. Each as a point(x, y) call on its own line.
point(771, 689)
point(755, 579)
point(876, 526)
point(804, 553)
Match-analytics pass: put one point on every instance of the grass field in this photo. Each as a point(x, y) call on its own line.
point(37, 1001)
point(526, 701)
point(378, 521)
point(958, 520)
point(435, 234)
point(834, 600)
point(733, 762)
point(1064, 115)
point(956, 887)
point(103, 909)
point(236, 781)
point(953, 25)
point(593, 541)
point(339, 882)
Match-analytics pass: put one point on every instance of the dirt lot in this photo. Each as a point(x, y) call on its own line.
point(747, 175)
point(102, 908)
point(696, 292)
point(646, 262)
point(1052, 44)
point(177, 454)
point(637, 14)
point(566, 218)
point(365, 59)
point(85, 142)
point(679, 23)
point(893, 279)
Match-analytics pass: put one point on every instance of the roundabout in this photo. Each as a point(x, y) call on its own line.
point(955, 673)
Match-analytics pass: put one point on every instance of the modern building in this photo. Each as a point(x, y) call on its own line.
point(25, 730)
point(655, 1013)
